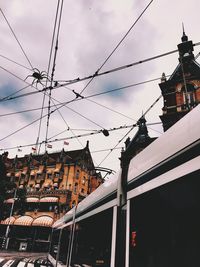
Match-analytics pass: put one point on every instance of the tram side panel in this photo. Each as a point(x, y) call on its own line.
point(164, 225)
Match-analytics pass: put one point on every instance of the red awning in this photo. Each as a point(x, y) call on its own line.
point(17, 174)
point(9, 220)
point(9, 201)
point(32, 173)
point(32, 200)
point(43, 221)
point(49, 199)
point(24, 220)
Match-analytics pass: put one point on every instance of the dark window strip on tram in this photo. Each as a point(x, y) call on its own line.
point(105, 200)
point(174, 161)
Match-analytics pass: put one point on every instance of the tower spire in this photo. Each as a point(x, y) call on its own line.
point(184, 38)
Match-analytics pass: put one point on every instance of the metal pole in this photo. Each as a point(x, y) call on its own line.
point(8, 226)
point(69, 256)
point(58, 249)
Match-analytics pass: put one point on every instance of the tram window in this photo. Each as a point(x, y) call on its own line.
point(164, 225)
point(92, 241)
point(54, 243)
point(64, 242)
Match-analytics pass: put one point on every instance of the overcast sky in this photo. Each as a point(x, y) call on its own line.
point(89, 31)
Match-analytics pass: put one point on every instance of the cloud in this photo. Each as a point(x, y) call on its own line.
point(89, 32)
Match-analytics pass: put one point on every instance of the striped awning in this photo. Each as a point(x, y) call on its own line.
point(49, 199)
point(32, 200)
point(32, 173)
point(9, 201)
point(9, 220)
point(17, 174)
point(24, 220)
point(24, 172)
point(46, 185)
point(43, 221)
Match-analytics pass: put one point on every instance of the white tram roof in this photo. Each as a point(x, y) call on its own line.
point(103, 191)
point(179, 136)
point(183, 133)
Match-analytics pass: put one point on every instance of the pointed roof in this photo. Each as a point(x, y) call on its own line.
point(184, 38)
point(187, 61)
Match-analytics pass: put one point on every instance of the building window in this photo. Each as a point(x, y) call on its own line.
point(49, 175)
point(75, 188)
point(84, 180)
point(32, 177)
point(189, 94)
point(82, 191)
point(57, 174)
point(73, 203)
point(77, 174)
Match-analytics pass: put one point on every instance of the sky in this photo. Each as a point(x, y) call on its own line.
point(89, 31)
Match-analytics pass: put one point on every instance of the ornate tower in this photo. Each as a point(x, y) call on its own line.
point(181, 92)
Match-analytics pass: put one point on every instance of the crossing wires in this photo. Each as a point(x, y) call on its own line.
point(116, 47)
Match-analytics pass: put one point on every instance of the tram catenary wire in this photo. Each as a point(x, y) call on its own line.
point(9, 25)
point(76, 80)
point(84, 97)
point(53, 69)
point(113, 51)
point(80, 135)
point(64, 104)
point(48, 69)
point(17, 63)
point(130, 130)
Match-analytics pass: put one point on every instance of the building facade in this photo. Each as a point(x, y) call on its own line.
point(181, 92)
point(50, 185)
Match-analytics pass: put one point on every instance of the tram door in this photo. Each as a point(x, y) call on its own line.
point(165, 225)
point(92, 240)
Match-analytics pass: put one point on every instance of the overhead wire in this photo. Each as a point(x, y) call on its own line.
point(68, 127)
point(113, 51)
point(93, 95)
point(48, 69)
point(143, 115)
point(98, 74)
point(53, 70)
point(76, 80)
point(87, 97)
point(119, 113)
point(16, 38)
point(13, 61)
point(78, 136)
point(36, 120)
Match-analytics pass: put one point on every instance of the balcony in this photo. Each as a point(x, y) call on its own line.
point(48, 193)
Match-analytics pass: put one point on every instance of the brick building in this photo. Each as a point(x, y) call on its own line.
point(52, 184)
point(181, 92)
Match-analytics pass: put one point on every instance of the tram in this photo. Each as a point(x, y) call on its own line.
point(159, 224)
